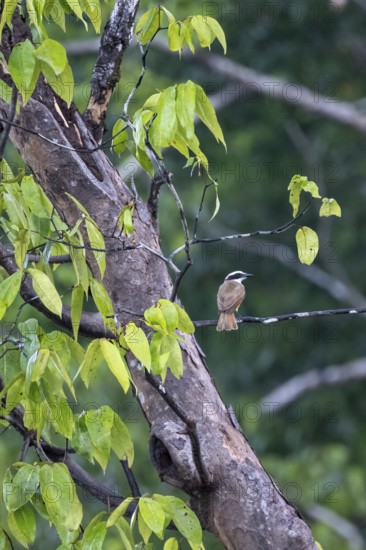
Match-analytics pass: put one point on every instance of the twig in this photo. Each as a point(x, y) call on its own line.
point(287, 316)
point(261, 232)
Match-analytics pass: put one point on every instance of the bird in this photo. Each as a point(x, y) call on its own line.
point(229, 297)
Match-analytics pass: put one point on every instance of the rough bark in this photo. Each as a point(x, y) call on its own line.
point(229, 490)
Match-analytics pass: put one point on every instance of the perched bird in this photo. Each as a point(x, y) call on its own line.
point(229, 297)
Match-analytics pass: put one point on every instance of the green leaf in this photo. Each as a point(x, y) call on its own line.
point(153, 515)
point(207, 114)
point(22, 524)
point(144, 529)
point(185, 106)
point(40, 364)
point(22, 487)
point(80, 266)
point(9, 288)
point(46, 291)
point(217, 31)
point(164, 127)
point(171, 544)
point(93, 358)
point(77, 297)
point(217, 202)
point(203, 30)
point(184, 322)
point(7, 14)
point(23, 68)
point(125, 533)
point(138, 344)
point(307, 245)
point(170, 314)
point(35, 198)
point(5, 92)
point(297, 184)
point(94, 534)
point(99, 424)
point(116, 363)
point(101, 298)
point(4, 541)
point(59, 495)
point(62, 84)
point(93, 11)
point(159, 354)
point(120, 136)
point(119, 511)
point(330, 207)
point(184, 519)
point(96, 240)
point(53, 54)
point(21, 245)
point(155, 319)
point(319, 545)
point(175, 361)
point(121, 440)
point(148, 25)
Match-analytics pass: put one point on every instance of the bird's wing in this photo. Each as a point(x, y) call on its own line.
point(230, 296)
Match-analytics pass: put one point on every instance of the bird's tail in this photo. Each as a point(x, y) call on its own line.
point(227, 321)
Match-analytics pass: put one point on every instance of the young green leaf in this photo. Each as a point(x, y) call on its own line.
point(175, 361)
point(22, 524)
point(171, 544)
point(155, 319)
point(62, 84)
point(96, 240)
point(170, 314)
point(119, 511)
point(4, 541)
point(330, 207)
point(59, 495)
point(7, 14)
point(94, 534)
point(101, 297)
point(35, 198)
point(125, 533)
point(22, 487)
point(153, 515)
point(99, 424)
point(136, 340)
point(53, 54)
point(217, 31)
point(307, 245)
point(148, 25)
point(9, 288)
point(184, 322)
point(77, 297)
point(116, 363)
point(93, 358)
point(185, 106)
point(120, 136)
point(46, 291)
point(295, 190)
point(203, 30)
point(207, 114)
point(184, 519)
point(22, 67)
point(121, 441)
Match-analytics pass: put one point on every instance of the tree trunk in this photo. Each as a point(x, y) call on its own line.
point(207, 455)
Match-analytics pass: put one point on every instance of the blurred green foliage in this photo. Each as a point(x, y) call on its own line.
point(315, 449)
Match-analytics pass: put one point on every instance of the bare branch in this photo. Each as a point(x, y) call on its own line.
point(344, 528)
point(295, 387)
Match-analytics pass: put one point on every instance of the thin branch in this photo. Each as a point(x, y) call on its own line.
point(295, 387)
point(285, 227)
point(287, 316)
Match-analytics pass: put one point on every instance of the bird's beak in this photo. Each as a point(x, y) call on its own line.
point(249, 275)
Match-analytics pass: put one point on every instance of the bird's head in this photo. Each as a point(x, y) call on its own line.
point(238, 276)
